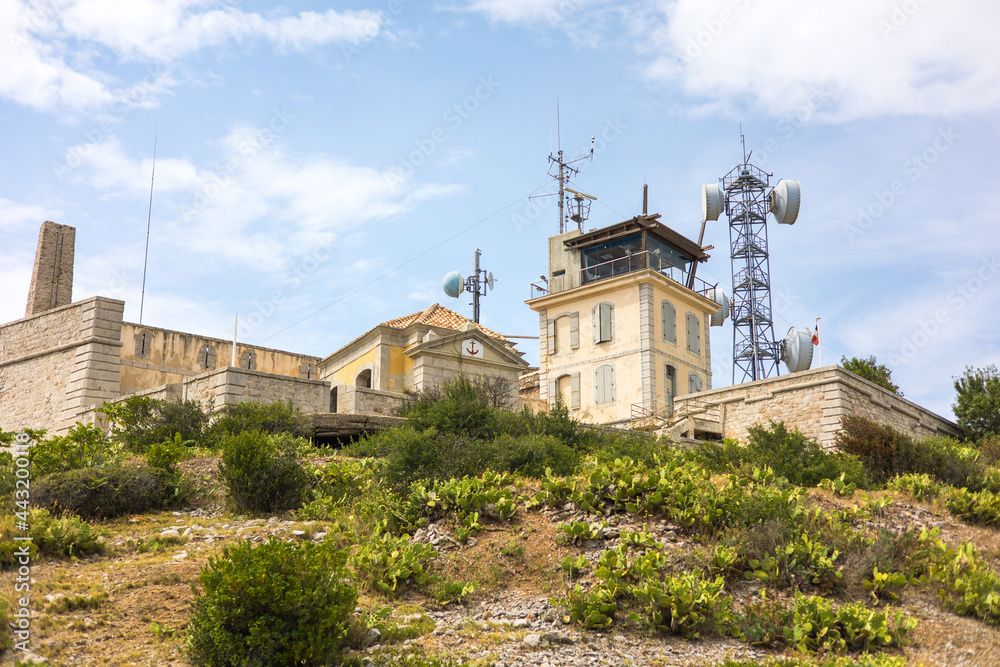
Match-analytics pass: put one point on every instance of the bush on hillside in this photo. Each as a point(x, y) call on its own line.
point(886, 453)
point(251, 416)
point(83, 446)
point(101, 492)
point(261, 472)
point(459, 408)
point(275, 604)
point(139, 422)
point(790, 454)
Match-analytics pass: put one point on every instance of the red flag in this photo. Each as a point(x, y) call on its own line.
point(816, 336)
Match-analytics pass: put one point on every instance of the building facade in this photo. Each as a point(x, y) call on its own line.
point(623, 322)
point(421, 351)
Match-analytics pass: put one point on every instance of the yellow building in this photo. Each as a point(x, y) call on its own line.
point(623, 322)
point(421, 351)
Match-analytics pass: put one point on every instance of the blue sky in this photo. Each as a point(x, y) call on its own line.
point(320, 168)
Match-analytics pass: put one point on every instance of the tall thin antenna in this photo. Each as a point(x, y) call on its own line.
point(149, 218)
point(563, 174)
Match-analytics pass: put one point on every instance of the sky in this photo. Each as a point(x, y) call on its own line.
point(319, 168)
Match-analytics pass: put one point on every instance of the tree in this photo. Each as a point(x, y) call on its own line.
point(977, 405)
point(872, 371)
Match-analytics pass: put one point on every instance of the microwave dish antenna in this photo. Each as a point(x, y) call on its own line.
point(477, 284)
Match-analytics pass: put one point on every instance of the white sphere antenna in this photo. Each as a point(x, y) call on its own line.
point(453, 284)
point(784, 201)
point(713, 201)
point(490, 281)
point(797, 349)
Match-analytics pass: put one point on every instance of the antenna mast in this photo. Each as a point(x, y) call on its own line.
point(564, 172)
point(149, 217)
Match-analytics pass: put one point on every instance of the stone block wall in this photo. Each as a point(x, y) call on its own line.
point(236, 385)
point(52, 275)
point(56, 366)
point(362, 401)
point(815, 402)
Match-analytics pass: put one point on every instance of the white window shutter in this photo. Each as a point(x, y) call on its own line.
point(574, 382)
point(611, 373)
point(551, 335)
point(574, 331)
point(693, 333)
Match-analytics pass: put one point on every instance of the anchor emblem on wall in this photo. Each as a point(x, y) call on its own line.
point(472, 348)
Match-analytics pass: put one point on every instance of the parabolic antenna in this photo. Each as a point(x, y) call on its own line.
point(453, 284)
point(713, 201)
point(797, 349)
point(718, 296)
point(784, 201)
point(490, 281)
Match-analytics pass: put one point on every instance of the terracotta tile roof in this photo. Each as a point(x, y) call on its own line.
point(438, 316)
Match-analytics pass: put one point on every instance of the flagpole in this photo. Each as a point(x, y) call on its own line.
point(819, 344)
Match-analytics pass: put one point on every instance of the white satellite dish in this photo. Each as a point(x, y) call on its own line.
point(489, 280)
point(453, 284)
point(718, 296)
point(713, 201)
point(784, 201)
point(797, 349)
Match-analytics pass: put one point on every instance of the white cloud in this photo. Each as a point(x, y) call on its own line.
point(48, 53)
point(14, 214)
point(163, 30)
point(524, 11)
point(258, 206)
point(868, 58)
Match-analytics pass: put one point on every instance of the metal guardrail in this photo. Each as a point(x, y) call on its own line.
point(618, 267)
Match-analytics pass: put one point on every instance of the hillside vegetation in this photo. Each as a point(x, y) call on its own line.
point(478, 536)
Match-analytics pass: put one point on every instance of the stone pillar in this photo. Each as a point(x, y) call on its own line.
point(96, 374)
point(52, 276)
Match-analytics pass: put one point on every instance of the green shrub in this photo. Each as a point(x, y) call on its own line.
point(459, 408)
point(83, 446)
point(790, 454)
point(250, 416)
point(68, 536)
point(885, 453)
point(977, 402)
point(101, 492)
point(872, 371)
point(261, 473)
point(139, 422)
point(277, 604)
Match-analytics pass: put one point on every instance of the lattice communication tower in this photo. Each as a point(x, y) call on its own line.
point(746, 200)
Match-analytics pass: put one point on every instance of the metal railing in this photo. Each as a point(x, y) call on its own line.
point(618, 267)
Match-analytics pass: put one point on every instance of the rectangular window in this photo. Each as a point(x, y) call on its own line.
point(668, 317)
point(693, 334)
point(604, 384)
point(604, 322)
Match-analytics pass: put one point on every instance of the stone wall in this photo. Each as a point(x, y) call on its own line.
point(362, 401)
point(56, 366)
point(52, 274)
point(815, 402)
point(152, 357)
point(227, 386)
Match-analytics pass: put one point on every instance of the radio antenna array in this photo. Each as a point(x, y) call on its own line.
point(561, 170)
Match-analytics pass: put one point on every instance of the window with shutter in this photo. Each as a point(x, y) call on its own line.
point(574, 331)
point(694, 383)
point(693, 333)
point(574, 402)
point(604, 322)
point(604, 384)
point(668, 317)
point(551, 335)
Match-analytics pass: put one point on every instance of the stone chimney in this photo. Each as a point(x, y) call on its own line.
point(52, 277)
